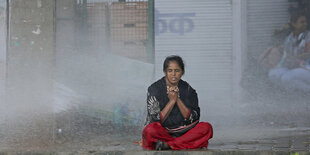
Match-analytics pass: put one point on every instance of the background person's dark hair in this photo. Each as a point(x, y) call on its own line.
point(175, 58)
point(295, 14)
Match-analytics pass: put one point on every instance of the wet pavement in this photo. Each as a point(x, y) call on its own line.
point(85, 135)
point(274, 141)
point(288, 143)
point(282, 139)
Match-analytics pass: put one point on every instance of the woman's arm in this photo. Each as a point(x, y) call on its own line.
point(192, 104)
point(183, 109)
point(305, 55)
point(166, 111)
point(172, 95)
point(302, 56)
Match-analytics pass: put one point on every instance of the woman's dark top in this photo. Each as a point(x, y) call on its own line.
point(157, 99)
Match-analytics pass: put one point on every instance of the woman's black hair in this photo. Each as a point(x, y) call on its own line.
point(295, 14)
point(175, 58)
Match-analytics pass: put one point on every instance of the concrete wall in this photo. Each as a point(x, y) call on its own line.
point(30, 68)
point(31, 54)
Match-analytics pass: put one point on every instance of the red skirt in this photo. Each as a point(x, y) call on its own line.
point(196, 137)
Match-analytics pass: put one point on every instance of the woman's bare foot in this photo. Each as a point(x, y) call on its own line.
point(162, 146)
point(166, 146)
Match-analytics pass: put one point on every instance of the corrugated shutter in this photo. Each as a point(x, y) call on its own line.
point(205, 43)
point(263, 18)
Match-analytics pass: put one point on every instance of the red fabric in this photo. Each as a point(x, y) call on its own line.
point(195, 138)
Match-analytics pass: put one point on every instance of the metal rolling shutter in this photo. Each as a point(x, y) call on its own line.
point(206, 48)
point(263, 18)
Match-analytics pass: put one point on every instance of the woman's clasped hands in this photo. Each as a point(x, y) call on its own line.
point(173, 93)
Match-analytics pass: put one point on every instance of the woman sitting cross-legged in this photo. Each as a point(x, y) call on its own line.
point(173, 112)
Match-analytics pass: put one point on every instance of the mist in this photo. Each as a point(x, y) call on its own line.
point(74, 74)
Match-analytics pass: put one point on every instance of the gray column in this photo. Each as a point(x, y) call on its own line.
point(3, 28)
point(30, 70)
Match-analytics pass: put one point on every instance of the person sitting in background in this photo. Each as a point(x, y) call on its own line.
point(173, 112)
point(272, 55)
point(293, 70)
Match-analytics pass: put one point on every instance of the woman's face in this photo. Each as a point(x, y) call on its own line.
point(301, 24)
point(173, 73)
